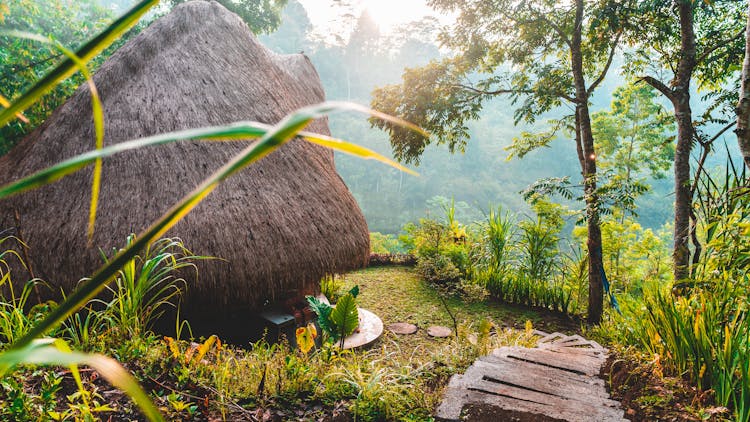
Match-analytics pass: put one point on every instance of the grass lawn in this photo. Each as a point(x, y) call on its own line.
point(398, 294)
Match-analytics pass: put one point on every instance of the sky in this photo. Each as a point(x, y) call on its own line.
point(387, 13)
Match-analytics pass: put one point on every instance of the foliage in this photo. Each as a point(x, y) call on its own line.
point(723, 220)
point(385, 244)
point(438, 270)
point(146, 285)
point(340, 321)
point(22, 62)
point(704, 335)
point(633, 136)
point(331, 286)
point(305, 337)
point(262, 16)
point(700, 327)
point(633, 142)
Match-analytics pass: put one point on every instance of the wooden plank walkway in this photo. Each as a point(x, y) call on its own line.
point(556, 381)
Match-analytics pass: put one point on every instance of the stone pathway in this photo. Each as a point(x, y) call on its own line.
point(556, 381)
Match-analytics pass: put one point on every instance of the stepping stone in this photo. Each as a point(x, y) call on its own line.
point(403, 328)
point(439, 331)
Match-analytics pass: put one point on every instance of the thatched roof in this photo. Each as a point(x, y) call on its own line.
point(280, 224)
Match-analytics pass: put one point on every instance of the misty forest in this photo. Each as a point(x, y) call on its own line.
point(371, 210)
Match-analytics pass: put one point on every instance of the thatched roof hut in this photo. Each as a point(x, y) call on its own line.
point(279, 225)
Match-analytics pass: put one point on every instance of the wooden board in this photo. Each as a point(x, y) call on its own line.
point(557, 381)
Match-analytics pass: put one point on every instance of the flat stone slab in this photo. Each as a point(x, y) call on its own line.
point(438, 331)
point(556, 381)
point(403, 328)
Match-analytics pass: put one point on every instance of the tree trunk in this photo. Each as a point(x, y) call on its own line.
point(683, 115)
point(594, 242)
point(743, 107)
point(683, 196)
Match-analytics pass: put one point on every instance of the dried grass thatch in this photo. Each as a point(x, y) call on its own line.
point(280, 225)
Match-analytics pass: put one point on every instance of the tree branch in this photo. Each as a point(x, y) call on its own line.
point(509, 91)
point(543, 18)
point(495, 92)
point(599, 80)
point(658, 85)
point(705, 145)
point(719, 45)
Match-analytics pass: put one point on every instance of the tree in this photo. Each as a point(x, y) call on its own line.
point(632, 143)
point(22, 62)
point(543, 54)
point(291, 35)
point(262, 16)
point(743, 106)
point(689, 39)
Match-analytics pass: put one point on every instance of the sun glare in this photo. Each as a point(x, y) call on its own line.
point(388, 14)
point(391, 13)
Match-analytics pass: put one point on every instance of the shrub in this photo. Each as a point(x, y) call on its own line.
point(381, 260)
point(385, 244)
point(472, 291)
point(438, 270)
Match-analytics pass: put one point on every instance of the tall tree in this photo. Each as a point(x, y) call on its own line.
point(686, 39)
point(543, 54)
point(743, 106)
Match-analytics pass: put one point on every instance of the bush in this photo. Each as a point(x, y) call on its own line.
point(473, 292)
point(385, 244)
point(439, 270)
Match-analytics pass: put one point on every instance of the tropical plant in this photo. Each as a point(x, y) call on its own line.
point(146, 285)
point(340, 321)
point(331, 286)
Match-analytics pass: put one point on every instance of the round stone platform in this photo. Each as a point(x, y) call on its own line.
point(370, 329)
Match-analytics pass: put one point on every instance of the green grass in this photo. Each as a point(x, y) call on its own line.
point(398, 294)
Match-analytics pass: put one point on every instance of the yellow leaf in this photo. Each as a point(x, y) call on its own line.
point(306, 338)
point(172, 347)
point(203, 349)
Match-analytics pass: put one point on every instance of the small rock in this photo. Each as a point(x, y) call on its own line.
point(438, 331)
point(403, 328)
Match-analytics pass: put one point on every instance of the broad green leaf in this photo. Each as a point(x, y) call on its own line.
point(54, 352)
point(345, 316)
point(68, 67)
point(323, 310)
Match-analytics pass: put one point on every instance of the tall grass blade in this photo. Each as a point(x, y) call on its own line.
point(51, 352)
point(5, 104)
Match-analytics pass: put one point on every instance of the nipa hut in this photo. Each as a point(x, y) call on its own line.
point(279, 225)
